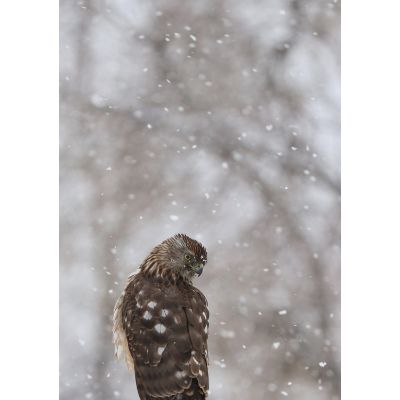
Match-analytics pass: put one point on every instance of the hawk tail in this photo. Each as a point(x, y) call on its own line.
point(193, 393)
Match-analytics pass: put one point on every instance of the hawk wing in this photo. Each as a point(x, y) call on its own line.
point(166, 331)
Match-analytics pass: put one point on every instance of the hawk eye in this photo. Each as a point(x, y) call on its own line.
point(187, 257)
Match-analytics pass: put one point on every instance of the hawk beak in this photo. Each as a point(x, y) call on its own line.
point(199, 270)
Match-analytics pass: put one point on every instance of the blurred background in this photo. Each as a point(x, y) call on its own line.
point(221, 120)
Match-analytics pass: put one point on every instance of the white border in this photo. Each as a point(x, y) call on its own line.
point(29, 199)
point(371, 201)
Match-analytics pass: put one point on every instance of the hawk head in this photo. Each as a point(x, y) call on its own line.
point(178, 256)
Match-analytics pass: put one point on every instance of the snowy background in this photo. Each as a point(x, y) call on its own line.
point(219, 119)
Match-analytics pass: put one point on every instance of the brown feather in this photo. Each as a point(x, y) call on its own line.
point(165, 322)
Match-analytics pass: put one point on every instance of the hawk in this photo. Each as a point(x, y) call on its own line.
point(160, 323)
